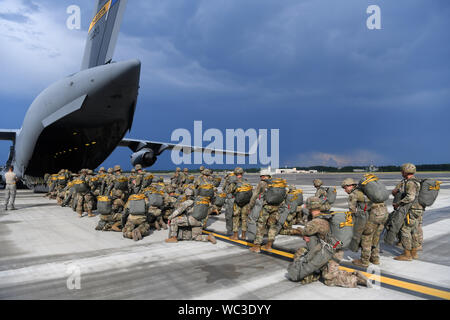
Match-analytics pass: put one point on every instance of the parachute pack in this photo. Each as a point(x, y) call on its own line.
point(206, 190)
point(243, 194)
point(429, 190)
point(219, 200)
point(341, 225)
point(155, 197)
point(373, 188)
point(276, 191)
point(80, 186)
point(201, 207)
point(136, 204)
point(104, 205)
point(331, 194)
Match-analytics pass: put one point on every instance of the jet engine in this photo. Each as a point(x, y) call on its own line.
point(145, 157)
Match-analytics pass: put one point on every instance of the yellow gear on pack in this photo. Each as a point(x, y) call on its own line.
point(222, 195)
point(135, 197)
point(103, 198)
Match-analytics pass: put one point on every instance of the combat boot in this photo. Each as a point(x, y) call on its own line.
point(268, 245)
point(234, 236)
point(90, 214)
point(405, 256)
point(360, 263)
point(163, 224)
point(363, 280)
point(296, 232)
point(157, 227)
point(256, 248)
point(375, 260)
point(244, 235)
point(414, 254)
point(212, 239)
point(115, 227)
point(80, 214)
point(172, 240)
point(419, 248)
point(137, 235)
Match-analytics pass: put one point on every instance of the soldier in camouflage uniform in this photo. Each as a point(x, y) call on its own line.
point(321, 193)
point(131, 178)
point(410, 235)
point(136, 226)
point(331, 273)
point(85, 200)
point(287, 229)
point(98, 182)
point(107, 181)
point(175, 179)
point(63, 178)
point(137, 180)
point(181, 217)
point(377, 217)
point(118, 189)
point(240, 214)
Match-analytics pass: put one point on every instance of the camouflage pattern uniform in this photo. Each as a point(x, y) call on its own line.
point(98, 182)
point(240, 214)
point(410, 235)
point(85, 200)
point(377, 217)
point(119, 196)
point(137, 181)
point(63, 178)
point(136, 226)
point(321, 193)
point(175, 179)
point(181, 217)
point(131, 178)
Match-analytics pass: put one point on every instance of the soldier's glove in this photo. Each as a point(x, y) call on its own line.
point(354, 245)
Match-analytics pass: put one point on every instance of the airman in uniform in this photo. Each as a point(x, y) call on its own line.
point(410, 234)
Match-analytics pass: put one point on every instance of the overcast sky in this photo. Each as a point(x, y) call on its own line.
point(340, 94)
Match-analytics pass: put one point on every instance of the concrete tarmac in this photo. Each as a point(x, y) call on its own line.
point(47, 252)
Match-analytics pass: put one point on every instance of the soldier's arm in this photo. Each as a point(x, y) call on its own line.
point(411, 192)
point(311, 228)
point(183, 207)
point(352, 203)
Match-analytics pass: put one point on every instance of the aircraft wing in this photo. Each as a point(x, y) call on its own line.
point(159, 147)
point(8, 134)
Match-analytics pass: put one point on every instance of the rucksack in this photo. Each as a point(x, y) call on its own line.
point(373, 188)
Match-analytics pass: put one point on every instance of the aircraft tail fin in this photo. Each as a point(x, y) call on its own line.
point(103, 33)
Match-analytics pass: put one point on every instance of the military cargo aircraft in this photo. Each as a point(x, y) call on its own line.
point(79, 120)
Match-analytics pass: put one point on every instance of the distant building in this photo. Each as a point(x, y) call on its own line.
point(359, 170)
point(269, 170)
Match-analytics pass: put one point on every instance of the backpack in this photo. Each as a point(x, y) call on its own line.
point(104, 205)
point(136, 204)
point(341, 226)
point(243, 194)
point(331, 194)
point(201, 207)
point(429, 190)
point(275, 192)
point(374, 189)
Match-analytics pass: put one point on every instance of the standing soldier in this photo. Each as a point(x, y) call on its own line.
point(269, 216)
point(240, 212)
point(137, 182)
point(321, 193)
point(131, 178)
point(107, 180)
point(176, 178)
point(410, 235)
point(366, 233)
point(85, 198)
point(118, 189)
point(98, 181)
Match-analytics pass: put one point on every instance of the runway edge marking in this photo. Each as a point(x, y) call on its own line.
point(397, 283)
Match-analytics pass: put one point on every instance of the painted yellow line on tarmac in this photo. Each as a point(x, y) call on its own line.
point(382, 279)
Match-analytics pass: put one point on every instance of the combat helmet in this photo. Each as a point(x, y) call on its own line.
point(178, 169)
point(102, 169)
point(238, 170)
point(117, 168)
point(317, 183)
point(207, 172)
point(313, 203)
point(133, 170)
point(348, 182)
point(185, 170)
point(138, 167)
point(202, 168)
point(110, 170)
point(408, 168)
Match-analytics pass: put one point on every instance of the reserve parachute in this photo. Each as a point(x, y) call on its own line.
point(243, 194)
point(136, 204)
point(275, 192)
point(104, 205)
point(201, 207)
point(341, 225)
point(331, 194)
